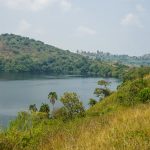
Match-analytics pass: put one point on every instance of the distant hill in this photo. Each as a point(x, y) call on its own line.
point(22, 54)
point(125, 59)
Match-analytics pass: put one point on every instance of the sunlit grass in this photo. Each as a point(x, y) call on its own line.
point(126, 129)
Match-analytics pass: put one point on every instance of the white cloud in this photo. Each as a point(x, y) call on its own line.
point(140, 8)
point(131, 20)
point(36, 5)
point(83, 30)
point(66, 5)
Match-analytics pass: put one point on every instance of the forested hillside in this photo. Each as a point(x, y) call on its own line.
point(124, 59)
point(21, 54)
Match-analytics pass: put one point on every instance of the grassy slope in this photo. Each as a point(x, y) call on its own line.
point(108, 125)
point(125, 129)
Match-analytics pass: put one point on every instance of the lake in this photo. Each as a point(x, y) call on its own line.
point(17, 92)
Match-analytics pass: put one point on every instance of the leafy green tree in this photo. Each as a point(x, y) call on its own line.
point(45, 108)
point(52, 96)
point(102, 91)
point(92, 102)
point(33, 108)
point(104, 83)
point(72, 106)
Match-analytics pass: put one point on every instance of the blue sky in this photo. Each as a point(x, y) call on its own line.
point(115, 26)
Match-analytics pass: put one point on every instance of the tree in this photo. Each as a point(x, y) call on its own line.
point(44, 108)
point(92, 102)
point(72, 106)
point(103, 91)
point(103, 83)
point(33, 108)
point(100, 92)
point(52, 96)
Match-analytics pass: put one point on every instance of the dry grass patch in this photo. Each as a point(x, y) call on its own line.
point(127, 129)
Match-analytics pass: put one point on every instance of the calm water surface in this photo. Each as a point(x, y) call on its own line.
point(17, 92)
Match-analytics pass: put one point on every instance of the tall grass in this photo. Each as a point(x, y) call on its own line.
point(127, 129)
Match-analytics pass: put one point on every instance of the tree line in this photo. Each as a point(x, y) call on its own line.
point(19, 54)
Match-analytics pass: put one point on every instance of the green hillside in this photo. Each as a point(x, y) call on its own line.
point(21, 54)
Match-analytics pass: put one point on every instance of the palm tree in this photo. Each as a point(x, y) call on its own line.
point(52, 96)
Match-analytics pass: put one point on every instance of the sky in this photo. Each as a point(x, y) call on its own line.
point(115, 26)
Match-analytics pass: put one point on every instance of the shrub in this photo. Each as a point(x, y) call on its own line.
point(72, 106)
point(33, 108)
point(145, 95)
point(92, 102)
point(58, 113)
point(45, 108)
point(128, 93)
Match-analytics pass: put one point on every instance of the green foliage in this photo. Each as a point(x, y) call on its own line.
point(131, 92)
point(92, 102)
point(123, 59)
point(59, 113)
point(103, 83)
point(33, 108)
point(145, 95)
point(72, 106)
point(27, 131)
point(52, 96)
point(103, 91)
point(135, 73)
point(45, 108)
point(21, 54)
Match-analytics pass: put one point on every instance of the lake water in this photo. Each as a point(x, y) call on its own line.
point(17, 92)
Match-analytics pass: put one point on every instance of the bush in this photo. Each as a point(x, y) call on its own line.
point(145, 95)
point(58, 113)
point(72, 106)
point(33, 108)
point(92, 102)
point(45, 109)
point(128, 93)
